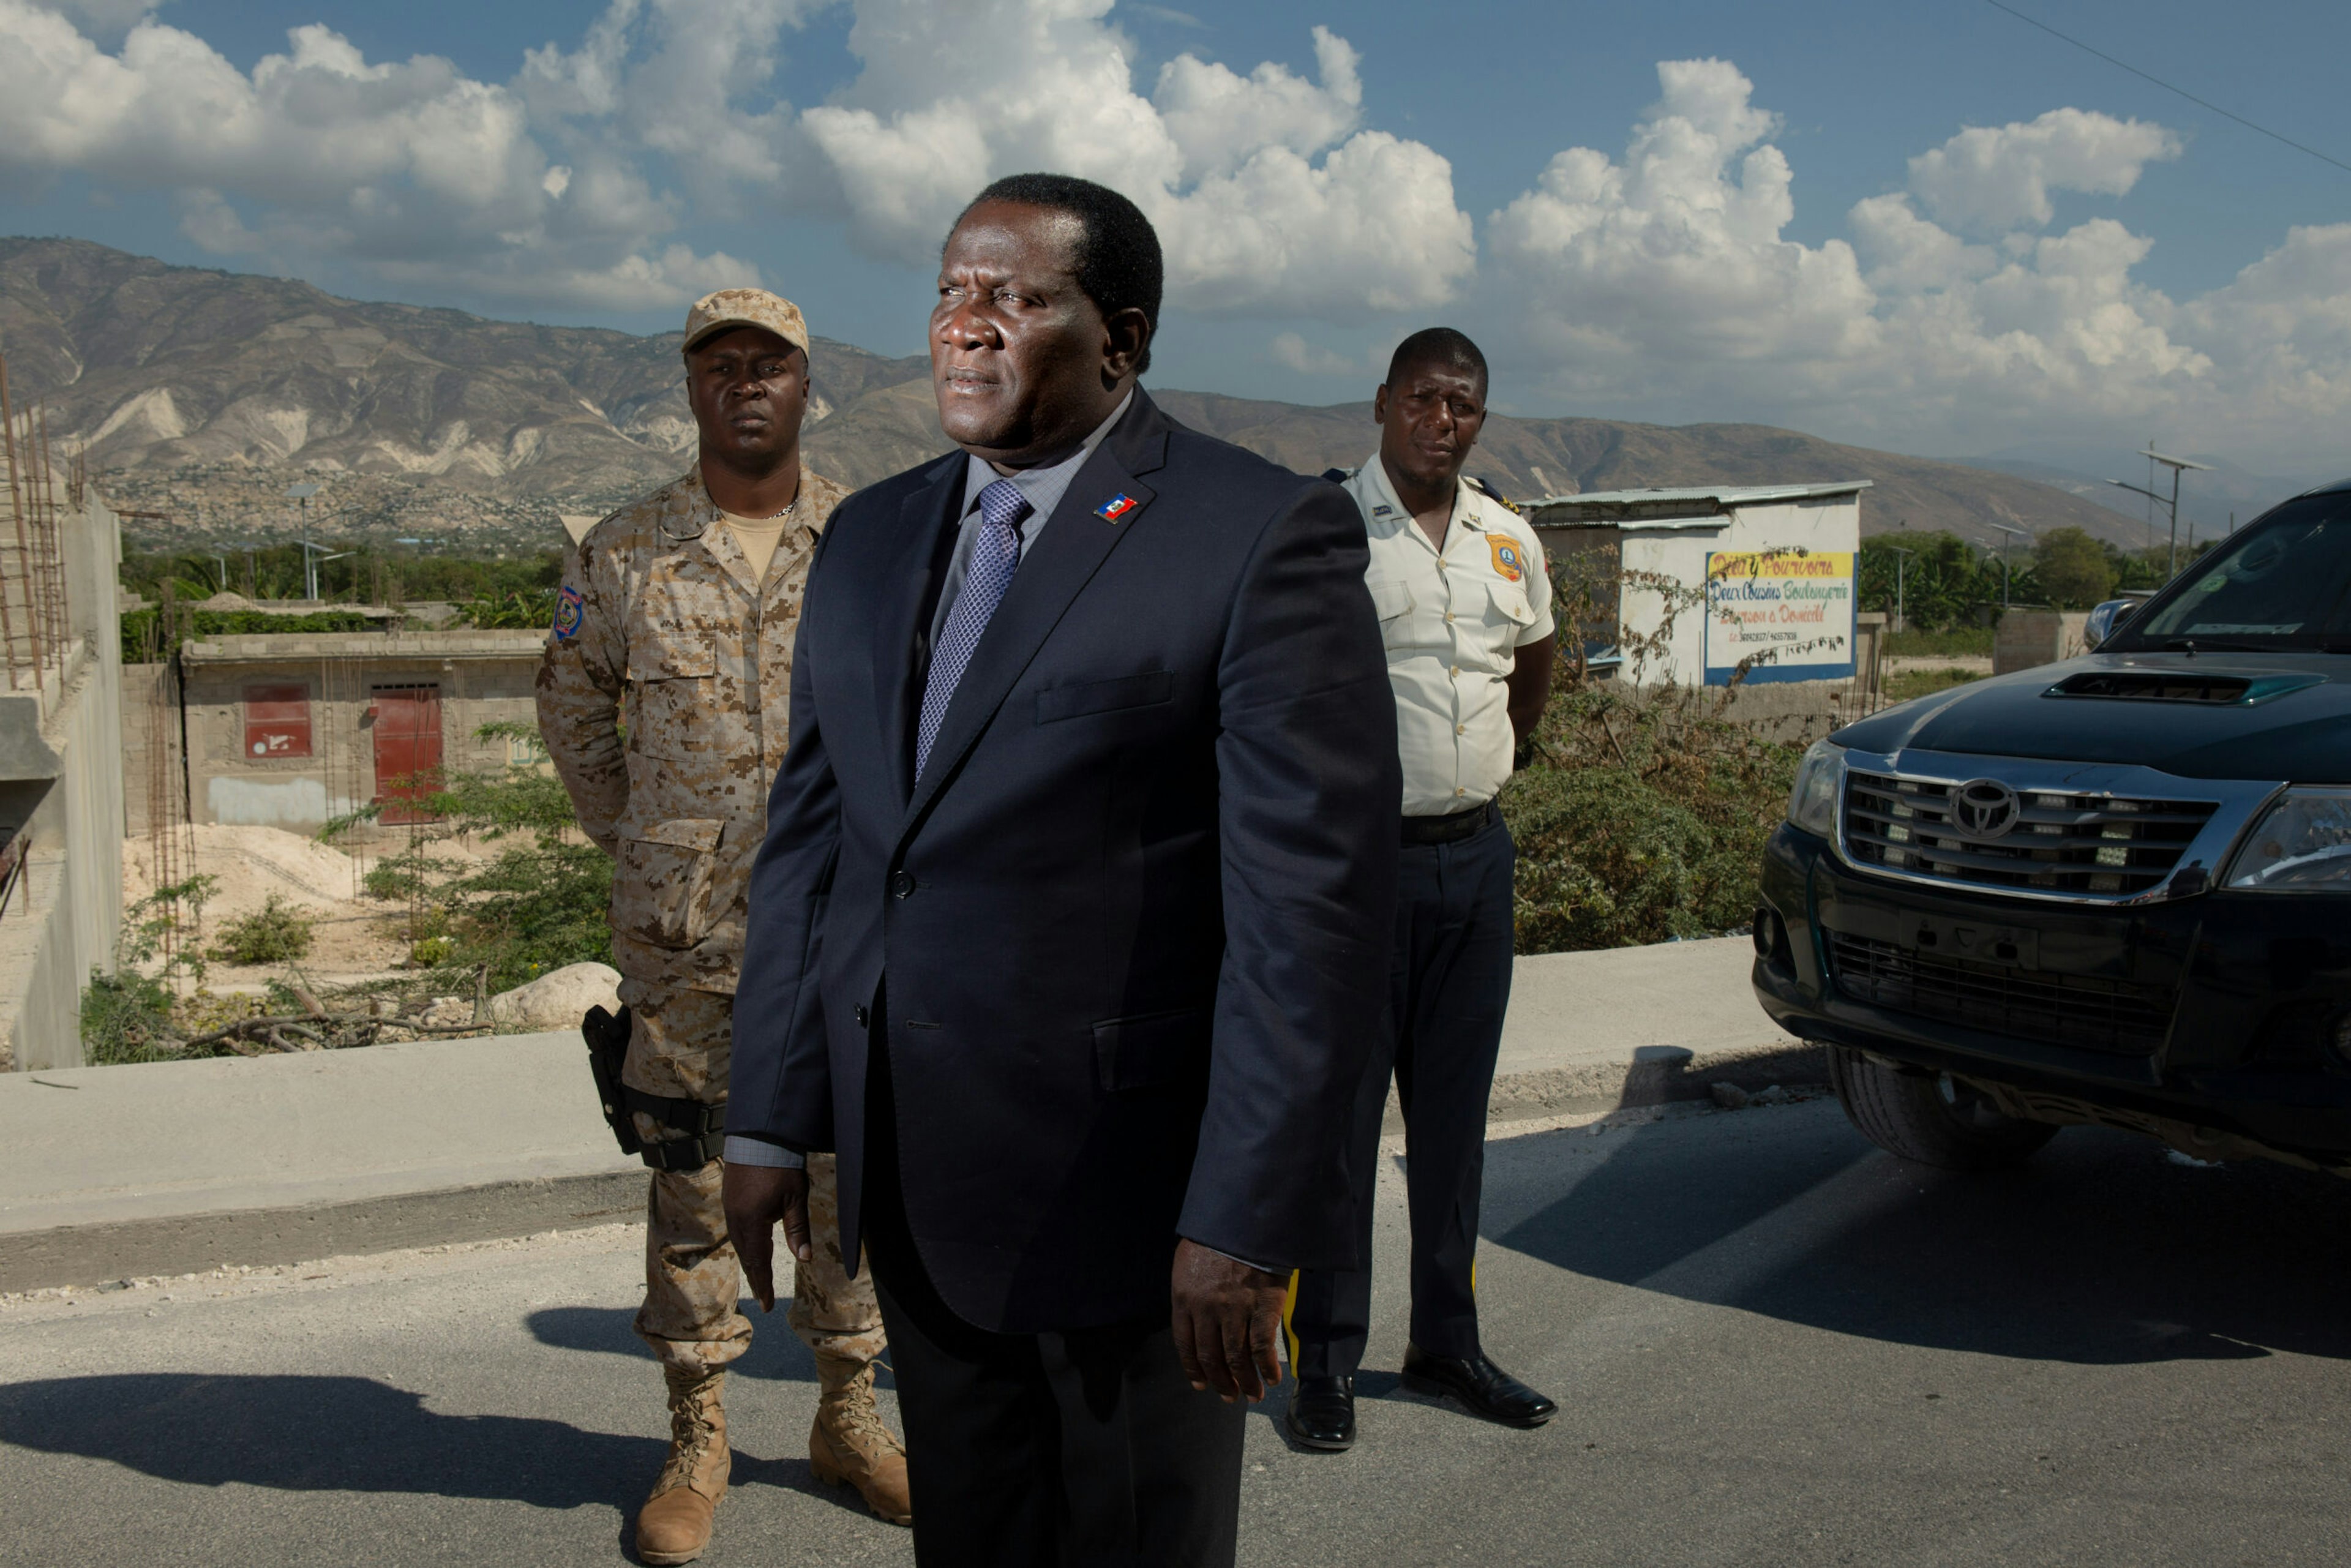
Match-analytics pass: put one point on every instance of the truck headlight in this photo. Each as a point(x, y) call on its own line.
point(1812, 804)
point(2302, 844)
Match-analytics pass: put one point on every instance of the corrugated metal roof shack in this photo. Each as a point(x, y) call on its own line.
point(1750, 587)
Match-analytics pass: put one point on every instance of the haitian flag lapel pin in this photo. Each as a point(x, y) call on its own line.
point(1116, 509)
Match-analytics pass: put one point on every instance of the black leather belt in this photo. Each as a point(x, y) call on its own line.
point(1451, 828)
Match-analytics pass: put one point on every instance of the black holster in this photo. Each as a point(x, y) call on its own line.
point(701, 1128)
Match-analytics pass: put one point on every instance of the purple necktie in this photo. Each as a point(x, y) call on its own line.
point(994, 555)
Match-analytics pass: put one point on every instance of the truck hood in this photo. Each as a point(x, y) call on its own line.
point(2295, 723)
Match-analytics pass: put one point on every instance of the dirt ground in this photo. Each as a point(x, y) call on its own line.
point(356, 937)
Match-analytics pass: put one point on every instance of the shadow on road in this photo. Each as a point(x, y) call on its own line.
point(776, 1355)
point(2098, 1250)
point(355, 1435)
point(321, 1434)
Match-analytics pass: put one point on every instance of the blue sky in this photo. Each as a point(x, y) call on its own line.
point(1748, 239)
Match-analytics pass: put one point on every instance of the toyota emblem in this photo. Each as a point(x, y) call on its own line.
point(1985, 808)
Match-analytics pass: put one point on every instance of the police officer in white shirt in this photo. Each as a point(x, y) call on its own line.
point(1464, 602)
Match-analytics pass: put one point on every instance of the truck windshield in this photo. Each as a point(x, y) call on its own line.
point(2285, 584)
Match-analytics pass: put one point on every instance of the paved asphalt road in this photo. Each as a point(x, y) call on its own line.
point(1772, 1345)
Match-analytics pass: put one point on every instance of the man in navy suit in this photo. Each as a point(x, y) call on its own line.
point(1069, 933)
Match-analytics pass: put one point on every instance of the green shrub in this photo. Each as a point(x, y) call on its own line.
point(141, 639)
point(2074, 571)
point(275, 933)
point(538, 905)
point(1639, 812)
point(523, 609)
point(126, 1017)
point(1641, 816)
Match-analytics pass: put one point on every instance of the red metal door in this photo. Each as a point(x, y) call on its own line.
point(407, 749)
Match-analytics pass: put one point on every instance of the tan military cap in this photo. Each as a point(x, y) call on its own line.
point(730, 307)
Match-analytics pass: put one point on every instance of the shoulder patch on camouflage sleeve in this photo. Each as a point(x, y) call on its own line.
point(568, 611)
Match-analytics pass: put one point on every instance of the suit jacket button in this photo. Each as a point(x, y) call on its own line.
point(859, 1013)
point(903, 886)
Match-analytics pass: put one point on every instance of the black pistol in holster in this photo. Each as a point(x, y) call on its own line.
point(701, 1128)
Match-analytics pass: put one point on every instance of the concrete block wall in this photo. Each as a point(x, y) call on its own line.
point(2030, 638)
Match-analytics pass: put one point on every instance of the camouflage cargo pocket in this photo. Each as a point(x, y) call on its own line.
point(661, 889)
point(672, 697)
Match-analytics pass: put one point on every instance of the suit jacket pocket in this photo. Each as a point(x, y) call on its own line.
point(661, 889)
point(1151, 1048)
point(1105, 696)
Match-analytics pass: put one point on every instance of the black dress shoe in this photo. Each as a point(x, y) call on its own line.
point(1322, 1413)
point(1477, 1385)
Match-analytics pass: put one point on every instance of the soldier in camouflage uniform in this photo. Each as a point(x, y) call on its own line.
point(685, 610)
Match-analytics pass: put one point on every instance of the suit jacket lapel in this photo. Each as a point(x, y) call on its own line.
point(1058, 567)
point(922, 517)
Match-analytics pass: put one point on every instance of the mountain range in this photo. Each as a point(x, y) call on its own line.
point(201, 394)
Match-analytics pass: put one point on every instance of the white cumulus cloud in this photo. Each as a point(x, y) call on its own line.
point(1266, 196)
point(1667, 278)
point(412, 170)
point(1220, 118)
point(1674, 257)
point(1998, 177)
point(1291, 350)
point(1951, 319)
point(565, 184)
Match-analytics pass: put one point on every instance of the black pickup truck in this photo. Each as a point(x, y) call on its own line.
point(2115, 890)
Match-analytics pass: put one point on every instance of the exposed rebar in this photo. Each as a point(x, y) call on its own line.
point(24, 574)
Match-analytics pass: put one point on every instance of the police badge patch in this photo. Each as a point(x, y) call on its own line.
point(567, 611)
point(1509, 559)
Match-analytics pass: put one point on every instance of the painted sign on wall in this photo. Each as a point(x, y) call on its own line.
point(1790, 611)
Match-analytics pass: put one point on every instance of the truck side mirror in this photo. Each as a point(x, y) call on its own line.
point(2105, 619)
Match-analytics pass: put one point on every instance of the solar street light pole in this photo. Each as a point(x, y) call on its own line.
point(2003, 528)
point(2171, 565)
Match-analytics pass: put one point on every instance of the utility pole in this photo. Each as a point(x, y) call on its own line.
point(1901, 561)
point(301, 496)
point(2003, 528)
point(2176, 465)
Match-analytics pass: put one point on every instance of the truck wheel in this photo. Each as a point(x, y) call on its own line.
point(1929, 1117)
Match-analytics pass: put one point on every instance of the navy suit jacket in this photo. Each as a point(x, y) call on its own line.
point(1135, 916)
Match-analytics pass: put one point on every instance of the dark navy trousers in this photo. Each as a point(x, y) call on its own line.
point(1449, 981)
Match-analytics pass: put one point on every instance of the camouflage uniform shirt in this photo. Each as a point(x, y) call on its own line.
point(658, 609)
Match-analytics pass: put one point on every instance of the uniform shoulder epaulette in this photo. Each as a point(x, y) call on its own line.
point(1338, 475)
point(1489, 491)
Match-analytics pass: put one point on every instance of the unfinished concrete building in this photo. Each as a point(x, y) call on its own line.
point(61, 776)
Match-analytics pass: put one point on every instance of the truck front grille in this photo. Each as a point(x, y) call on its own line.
point(2118, 1017)
point(2060, 842)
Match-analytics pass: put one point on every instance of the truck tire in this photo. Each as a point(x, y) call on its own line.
point(1928, 1118)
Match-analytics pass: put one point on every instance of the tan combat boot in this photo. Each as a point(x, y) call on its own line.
point(850, 1444)
point(675, 1524)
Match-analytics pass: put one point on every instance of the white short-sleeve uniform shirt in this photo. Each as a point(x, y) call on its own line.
point(1453, 623)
